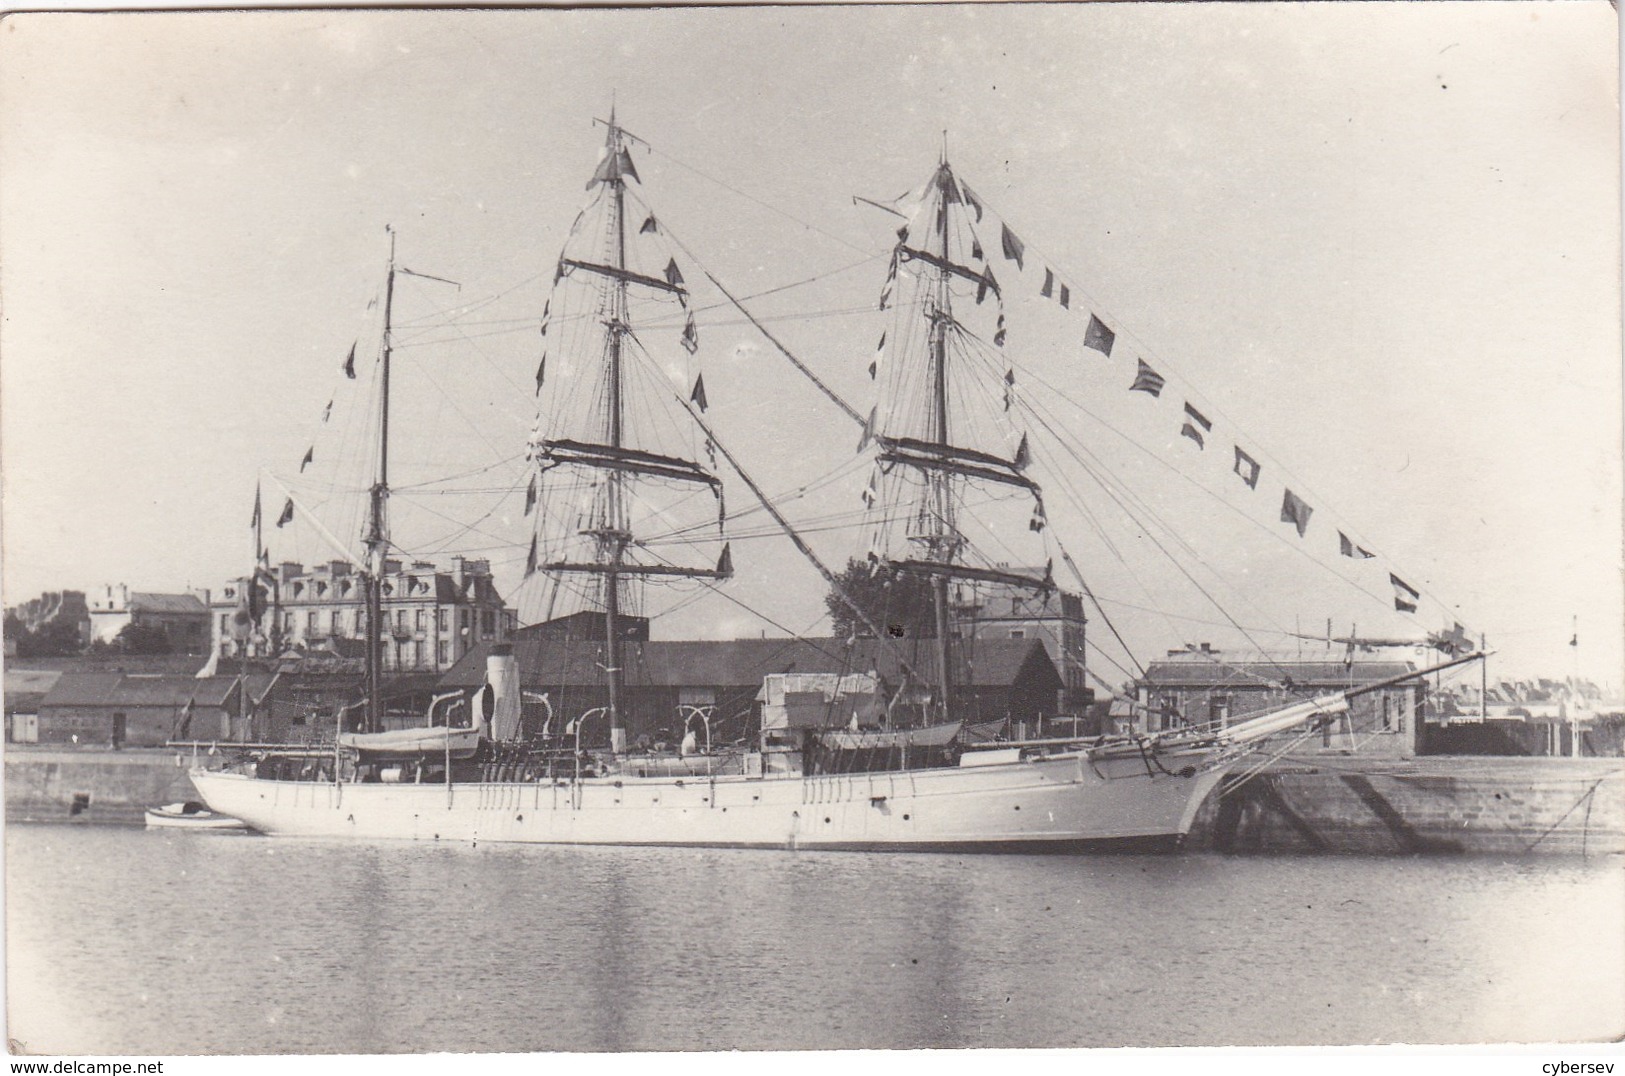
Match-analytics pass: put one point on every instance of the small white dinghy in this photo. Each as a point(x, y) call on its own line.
point(190, 815)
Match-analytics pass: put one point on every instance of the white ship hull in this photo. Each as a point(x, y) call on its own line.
point(1067, 802)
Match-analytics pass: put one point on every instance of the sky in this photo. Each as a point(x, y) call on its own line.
point(1377, 244)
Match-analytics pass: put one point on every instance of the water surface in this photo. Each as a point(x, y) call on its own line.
point(133, 942)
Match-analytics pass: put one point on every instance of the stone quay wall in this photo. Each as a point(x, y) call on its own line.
point(1501, 806)
point(92, 785)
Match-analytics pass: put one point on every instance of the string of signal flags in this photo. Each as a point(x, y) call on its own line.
point(1099, 336)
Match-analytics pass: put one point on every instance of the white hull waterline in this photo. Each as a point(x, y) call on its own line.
point(1054, 803)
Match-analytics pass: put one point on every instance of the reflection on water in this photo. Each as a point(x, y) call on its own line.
point(133, 942)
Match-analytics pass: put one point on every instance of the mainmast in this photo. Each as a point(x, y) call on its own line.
point(620, 456)
point(613, 534)
point(377, 536)
point(938, 546)
point(943, 545)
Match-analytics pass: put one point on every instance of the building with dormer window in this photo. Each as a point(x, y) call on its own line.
point(431, 618)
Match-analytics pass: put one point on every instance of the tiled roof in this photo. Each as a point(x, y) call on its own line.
point(30, 680)
point(167, 603)
point(477, 590)
point(744, 662)
point(259, 684)
point(113, 662)
point(1257, 675)
point(83, 689)
point(115, 689)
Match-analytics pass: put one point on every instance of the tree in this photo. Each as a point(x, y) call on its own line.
point(899, 603)
point(54, 638)
point(142, 639)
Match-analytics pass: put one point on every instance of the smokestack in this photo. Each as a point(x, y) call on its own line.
point(502, 674)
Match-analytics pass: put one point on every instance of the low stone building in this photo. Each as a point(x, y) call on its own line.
point(1201, 686)
point(25, 690)
point(114, 709)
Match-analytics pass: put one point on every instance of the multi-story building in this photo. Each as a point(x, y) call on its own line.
point(1002, 611)
point(431, 617)
point(184, 618)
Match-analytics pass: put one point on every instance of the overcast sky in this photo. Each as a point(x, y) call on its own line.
point(1379, 243)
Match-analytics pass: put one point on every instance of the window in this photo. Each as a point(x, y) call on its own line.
point(462, 619)
point(335, 622)
point(443, 651)
point(1168, 711)
point(400, 620)
point(422, 619)
point(225, 623)
point(1018, 633)
point(310, 622)
point(440, 620)
point(418, 654)
point(488, 623)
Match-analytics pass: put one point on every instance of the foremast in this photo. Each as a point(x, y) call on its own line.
point(376, 537)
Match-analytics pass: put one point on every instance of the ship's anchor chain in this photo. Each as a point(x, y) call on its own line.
point(1150, 758)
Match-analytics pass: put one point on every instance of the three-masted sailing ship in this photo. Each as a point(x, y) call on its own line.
point(603, 469)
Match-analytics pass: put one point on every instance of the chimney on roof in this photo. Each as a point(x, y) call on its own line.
point(289, 569)
point(459, 569)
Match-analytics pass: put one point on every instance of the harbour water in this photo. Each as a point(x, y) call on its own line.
point(124, 941)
